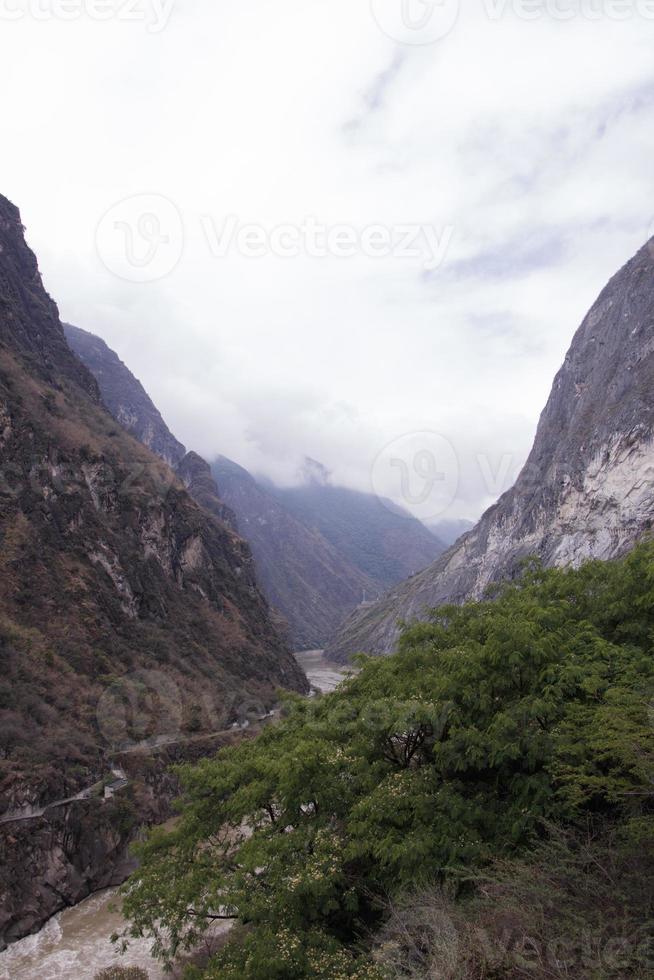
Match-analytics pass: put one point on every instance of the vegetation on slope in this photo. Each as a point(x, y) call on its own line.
point(496, 771)
point(384, 542)
point(312, 584)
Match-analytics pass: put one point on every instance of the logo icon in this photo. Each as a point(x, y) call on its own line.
point(416, 22)
point(141, 239)
point(143, 705)
point(420, 470)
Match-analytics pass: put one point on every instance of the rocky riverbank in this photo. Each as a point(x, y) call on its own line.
point(59, 855)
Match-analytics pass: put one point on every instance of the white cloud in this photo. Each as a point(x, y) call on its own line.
point(532, 140)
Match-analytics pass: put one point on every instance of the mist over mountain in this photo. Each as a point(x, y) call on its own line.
point(319, 552)
point(377, 537)
point(449, 531)
point(306, 577)
point(587, 489)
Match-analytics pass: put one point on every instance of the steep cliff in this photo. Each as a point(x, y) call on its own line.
point(124, 395)
point(195, 473)
point(126, 611)
point(132, 407)
point(587, 489)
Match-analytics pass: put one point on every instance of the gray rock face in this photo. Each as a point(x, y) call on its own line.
point(195, 473)
point(587, 489)
point(129, 403)
point(124, 395)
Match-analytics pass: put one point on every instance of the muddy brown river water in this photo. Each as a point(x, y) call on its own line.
point(76, 944)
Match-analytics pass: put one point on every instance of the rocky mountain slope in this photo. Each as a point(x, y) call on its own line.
point(381, 540)
point(304, 576)
point(132, 407)
point(126, 610)
point(587, 489)
point(124, 395)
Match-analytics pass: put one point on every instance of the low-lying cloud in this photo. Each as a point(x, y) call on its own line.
point(523, 144)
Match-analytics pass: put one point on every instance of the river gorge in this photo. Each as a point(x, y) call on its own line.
point(76, 943)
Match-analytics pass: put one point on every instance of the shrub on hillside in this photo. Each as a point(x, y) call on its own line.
point(580, 905)
point(122, 973)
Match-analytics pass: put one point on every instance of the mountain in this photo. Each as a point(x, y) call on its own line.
point(309, 584)
point(313, 579)
point(195, 473)
point(131, 406)
point(322, 550)
point(303, 575)
point(124, 395)
point(127, 611)
point(384, 542)
point(587, 489)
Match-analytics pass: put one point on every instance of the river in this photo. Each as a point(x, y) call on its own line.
point(323, 675)
point(76, 944)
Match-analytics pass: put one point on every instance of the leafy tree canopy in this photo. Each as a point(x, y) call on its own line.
point(492, 720)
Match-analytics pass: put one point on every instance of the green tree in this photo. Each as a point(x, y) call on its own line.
point(492, 719)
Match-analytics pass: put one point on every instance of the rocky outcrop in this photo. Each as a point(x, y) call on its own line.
point(58, 860)
point(587, 489)
point(126, 610)
point(195, 473)
point(59, 857)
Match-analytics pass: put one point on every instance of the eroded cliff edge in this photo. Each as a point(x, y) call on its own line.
point(587, 489)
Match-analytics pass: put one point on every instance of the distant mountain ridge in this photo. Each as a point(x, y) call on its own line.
point(311, 587)
point(383, 541)
point(587, 489)
point(129, 403)
point(304, 576)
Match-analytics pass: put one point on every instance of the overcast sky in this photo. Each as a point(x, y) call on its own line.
point(515, 151)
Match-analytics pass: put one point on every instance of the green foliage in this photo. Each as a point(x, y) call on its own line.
point(426, 767)
point(280, 954)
